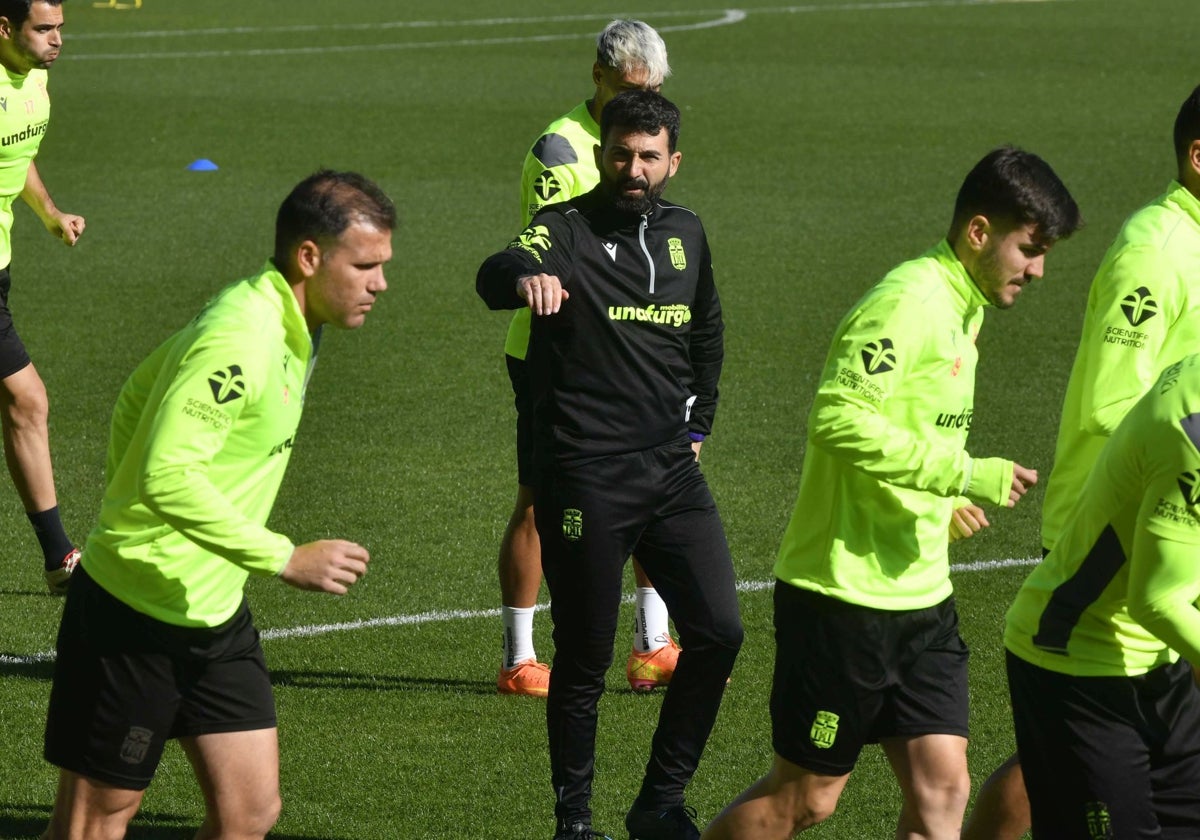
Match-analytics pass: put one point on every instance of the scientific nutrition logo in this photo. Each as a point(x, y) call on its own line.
point(547, 186)
point(879, 356)
point(1189, 486)
point(534, 240)
point(1139, 307)
point(227, 385)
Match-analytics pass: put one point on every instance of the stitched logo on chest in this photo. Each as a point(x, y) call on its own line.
point(678, 257)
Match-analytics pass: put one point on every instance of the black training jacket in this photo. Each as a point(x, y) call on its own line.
point(632, 359)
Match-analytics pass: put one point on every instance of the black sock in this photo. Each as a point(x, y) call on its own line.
point(50, 534)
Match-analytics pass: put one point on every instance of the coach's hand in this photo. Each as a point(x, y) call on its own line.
point(1023, 479)
point(543, 292)
point(326, 566)
point(967, 521)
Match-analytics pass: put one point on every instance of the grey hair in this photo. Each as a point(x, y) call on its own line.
point(628, 45)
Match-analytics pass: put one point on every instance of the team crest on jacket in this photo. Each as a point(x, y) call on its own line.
point(678, 257)
point(824, 730)
point(572, 525)
point(879, 356)
point(227, 385)
point(1139, 307)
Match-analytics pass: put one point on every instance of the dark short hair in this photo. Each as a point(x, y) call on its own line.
point(323, 205)
point(18, 10)
point(1011, 187)
point(1187, 127)
point(643, 111)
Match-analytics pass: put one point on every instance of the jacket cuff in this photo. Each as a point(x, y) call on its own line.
point(989, 480)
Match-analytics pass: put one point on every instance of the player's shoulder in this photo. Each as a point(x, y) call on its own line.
point(568, 140)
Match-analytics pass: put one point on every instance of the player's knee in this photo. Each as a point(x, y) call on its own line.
point(941, 800)
point(253, 818)
point(28, 406)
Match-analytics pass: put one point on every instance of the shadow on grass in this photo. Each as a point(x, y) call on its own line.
point(29, 821)
point(378, 682)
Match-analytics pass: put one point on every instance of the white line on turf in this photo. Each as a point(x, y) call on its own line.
point(460, 615)
point(723, 17)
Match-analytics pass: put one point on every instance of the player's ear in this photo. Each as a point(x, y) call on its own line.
point(598, 151)
point(1194, 156)
point(597, 73)
point(5, 28)
point(674, 167)
point(976, 232)
point(308, 258)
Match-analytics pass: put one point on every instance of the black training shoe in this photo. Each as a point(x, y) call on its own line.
point(674, 823)
point(581, 831)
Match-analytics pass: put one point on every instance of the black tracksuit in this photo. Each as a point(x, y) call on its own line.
point(619, 377)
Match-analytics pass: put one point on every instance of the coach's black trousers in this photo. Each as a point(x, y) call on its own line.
point(590, 518)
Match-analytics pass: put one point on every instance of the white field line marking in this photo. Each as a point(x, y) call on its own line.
point(460, 615)
point(724, 17)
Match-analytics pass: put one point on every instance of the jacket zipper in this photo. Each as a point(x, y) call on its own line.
point(642, 241)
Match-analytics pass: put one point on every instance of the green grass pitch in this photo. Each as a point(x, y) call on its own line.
point(822, 143)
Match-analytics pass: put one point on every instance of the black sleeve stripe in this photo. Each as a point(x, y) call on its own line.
point(554, 150)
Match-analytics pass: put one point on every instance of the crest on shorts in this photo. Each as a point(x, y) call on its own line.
point(572, 524)
point(137, 742)
point(824, 730)
point(1098, 822)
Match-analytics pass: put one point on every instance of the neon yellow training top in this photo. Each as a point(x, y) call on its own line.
point(886, 436)
point(1117, 594)
point(24, 115)
point(1143, 313)
point(561, 165)
point(201, 436)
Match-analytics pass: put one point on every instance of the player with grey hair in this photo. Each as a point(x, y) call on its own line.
point(630, 46)
point(560, 166)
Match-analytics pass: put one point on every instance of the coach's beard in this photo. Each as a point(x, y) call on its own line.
point(635, 205)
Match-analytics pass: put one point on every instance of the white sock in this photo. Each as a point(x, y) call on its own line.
point(518, 634)
point(650, 629)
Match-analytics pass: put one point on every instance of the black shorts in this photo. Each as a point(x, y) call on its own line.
point(125, 683)
point(518, 375)
point(848, 675)
point(1108, 756)
point(13, 356)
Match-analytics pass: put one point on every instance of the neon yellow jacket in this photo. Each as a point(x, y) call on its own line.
point(886, 436)
point(561, 165)
point(24, 115)
point(201, 436)
point(1117, 594)
point(1143, 313)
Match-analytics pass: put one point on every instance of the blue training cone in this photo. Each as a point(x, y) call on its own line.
point(202, 165)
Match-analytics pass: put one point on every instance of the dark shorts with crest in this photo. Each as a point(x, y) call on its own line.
point(848, 675)
point(1108, 757)
point(125, 683)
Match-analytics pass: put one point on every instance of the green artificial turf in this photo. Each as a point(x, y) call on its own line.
point(822, 143)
